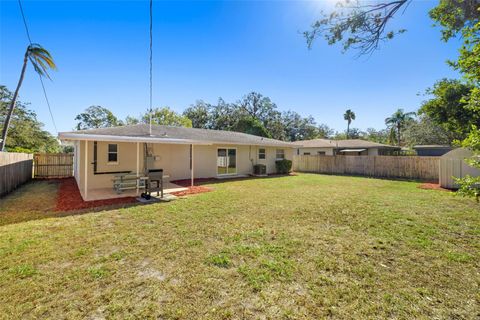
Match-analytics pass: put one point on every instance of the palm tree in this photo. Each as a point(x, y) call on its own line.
point(398, 120)
point(349, 116)
point(41, 61)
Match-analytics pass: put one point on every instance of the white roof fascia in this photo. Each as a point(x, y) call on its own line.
point(103, 137)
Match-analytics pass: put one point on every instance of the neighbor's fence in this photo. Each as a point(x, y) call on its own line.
point(404, 167)
point(53, 165)
point(15, 169)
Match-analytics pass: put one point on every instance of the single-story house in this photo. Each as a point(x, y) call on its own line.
point(342, 147)
point(432, 150)
point(182, 153)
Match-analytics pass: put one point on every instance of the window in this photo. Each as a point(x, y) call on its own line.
point(306, 153)
point(261, 154)
point(112, 153)
point(280, 154)
point(321, 153)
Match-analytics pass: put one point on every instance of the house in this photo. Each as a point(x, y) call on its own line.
point(432, 150)
point(183, 153)
point(342, 147)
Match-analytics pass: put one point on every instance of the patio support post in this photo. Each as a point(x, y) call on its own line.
point(191, 166)
point(85, 187)
point(138, 164)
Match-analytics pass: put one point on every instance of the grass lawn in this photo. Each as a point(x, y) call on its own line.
point(302, 247)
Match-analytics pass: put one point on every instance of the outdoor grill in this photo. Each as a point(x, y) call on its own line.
point(154, 183)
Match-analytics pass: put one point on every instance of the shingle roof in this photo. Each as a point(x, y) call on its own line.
point(160, 132)
point(314, 143)
point(350, 143)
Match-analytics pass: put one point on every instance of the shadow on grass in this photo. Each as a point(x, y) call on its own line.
point(37, 200)
point(213, 180)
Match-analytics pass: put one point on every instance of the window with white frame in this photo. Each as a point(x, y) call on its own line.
point(261, 154)
point(280, 154)
point(112, 153)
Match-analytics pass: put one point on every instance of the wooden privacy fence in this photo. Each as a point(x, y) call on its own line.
point(15, 169)
point(53, 165)
point(404, 167)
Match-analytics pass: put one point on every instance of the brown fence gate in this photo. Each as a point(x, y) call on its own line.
point(53, 165)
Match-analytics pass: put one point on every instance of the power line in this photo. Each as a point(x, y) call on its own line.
point(151, 63)
point(39, 76)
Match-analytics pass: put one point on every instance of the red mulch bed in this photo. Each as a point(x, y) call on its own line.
point(69, 198)
point(191, 190)
point(432, 186)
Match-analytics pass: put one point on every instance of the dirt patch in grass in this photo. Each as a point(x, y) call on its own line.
point(432, 186)
point(69, 198)
point(191, 190)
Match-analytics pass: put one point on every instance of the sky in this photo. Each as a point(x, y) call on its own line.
point(210, 49)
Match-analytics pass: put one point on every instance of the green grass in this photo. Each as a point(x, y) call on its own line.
point(34, 200)
point(301, 247)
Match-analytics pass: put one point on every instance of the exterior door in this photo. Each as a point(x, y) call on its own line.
point(226, 161)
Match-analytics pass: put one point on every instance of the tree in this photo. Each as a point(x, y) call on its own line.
point(324, 131)
point(26, 133)
point(362, 26)
point(349, 115)
point(299, 128)
point(379, 136)
point(354, 133)
point(251, 125)
point(96, 117)
point(223, 115)
point(166, 116)
point(426, 131)
point(449, 107)
point(199, 114)
point(41, 61)
point(398, 120)
point(129, 120)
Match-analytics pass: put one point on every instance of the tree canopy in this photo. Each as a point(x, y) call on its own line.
point(26, 133)
point(448, 107)
point(168, 117)
point(96, 117)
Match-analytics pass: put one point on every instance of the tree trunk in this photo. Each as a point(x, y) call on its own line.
point(348, 128)
point(398, 129)
point(3, 140)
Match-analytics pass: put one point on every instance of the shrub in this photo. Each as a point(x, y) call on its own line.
point(283, 166)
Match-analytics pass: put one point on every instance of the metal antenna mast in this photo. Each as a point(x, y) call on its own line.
point(151, 65)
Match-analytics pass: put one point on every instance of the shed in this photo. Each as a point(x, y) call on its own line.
point(432, 150)
point(452, 164)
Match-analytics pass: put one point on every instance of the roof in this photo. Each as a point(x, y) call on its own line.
point(432, 146)
point(170, 134)
point(343, 144)
point(314, 143)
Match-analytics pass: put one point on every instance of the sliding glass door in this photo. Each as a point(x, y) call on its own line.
point(226, 161)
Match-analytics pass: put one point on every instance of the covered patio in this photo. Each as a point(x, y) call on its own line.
point(110, 193)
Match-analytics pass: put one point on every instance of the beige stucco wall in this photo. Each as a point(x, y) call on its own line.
point(174, 159)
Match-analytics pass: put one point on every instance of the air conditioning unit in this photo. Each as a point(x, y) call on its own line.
point(260, 170)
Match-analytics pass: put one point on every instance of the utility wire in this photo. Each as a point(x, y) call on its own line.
point(39, 76)
point(151, 63)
